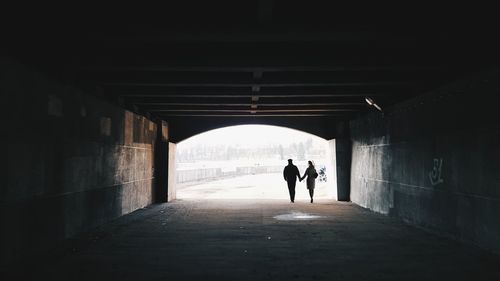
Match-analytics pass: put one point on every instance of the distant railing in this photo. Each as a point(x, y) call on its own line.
point(200, 174)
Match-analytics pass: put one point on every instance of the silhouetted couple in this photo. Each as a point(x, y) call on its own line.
point(291, 173)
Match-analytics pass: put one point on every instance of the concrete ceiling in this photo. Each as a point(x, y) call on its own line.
point(305, 65)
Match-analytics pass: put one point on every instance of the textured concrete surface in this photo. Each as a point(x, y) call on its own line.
point(256, 240)
point(434, 161)
point(72, 162)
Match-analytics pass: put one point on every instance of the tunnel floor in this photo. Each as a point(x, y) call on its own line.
point(261, 240)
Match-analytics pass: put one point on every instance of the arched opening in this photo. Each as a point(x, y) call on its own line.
point(247, 162)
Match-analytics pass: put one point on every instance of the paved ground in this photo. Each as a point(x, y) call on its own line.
point(261, 186)
point(261, 240)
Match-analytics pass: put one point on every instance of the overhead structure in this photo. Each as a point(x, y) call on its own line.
point(299, 65)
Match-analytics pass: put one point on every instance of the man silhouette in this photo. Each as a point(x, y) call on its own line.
point(291, 173)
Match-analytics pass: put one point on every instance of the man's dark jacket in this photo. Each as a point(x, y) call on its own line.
point(291, 172)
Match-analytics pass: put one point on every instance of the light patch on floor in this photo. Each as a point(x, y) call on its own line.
point(295, 216)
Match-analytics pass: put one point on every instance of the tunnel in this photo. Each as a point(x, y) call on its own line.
point(96, 99)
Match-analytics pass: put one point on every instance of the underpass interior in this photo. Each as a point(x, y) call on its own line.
point(97, 104)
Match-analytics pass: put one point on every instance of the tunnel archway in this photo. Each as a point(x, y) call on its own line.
point(247, 161)
point(322, 127)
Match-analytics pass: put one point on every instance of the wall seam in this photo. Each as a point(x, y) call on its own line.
point(433, 189)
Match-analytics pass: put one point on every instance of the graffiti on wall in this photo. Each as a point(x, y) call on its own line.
point(435, 174)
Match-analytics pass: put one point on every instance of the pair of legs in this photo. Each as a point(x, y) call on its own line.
point(291, 190)
point(311, 193)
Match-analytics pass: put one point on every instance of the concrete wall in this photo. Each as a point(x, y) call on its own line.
point(434, 161)
point(70, 162)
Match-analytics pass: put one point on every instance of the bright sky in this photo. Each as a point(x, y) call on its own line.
point(250, 135)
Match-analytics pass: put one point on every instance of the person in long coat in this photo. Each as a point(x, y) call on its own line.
point(311, 178)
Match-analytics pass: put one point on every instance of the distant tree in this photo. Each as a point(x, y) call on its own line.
point(230, 153)
point(294, 148)
point(309, 144)
point(281, 152)
point(301, 152)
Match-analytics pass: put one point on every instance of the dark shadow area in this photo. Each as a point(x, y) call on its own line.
point(95, 100)
point(262, 240)
point(74, 162)
point(433, 161)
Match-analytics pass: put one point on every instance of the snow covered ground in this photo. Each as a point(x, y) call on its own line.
point(261, 186)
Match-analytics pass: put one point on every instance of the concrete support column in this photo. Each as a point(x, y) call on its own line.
point(343, 153)
point(331, 170)
point(161, 163)
point(172, 179)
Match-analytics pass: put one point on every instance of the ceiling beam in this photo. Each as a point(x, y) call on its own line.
point(254, 115)
point(242, 36)
point(260, 94)
point(273, 85)
point(145, 104)
point(262, 69)
point(258, 110)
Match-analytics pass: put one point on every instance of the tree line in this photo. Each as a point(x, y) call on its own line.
point(297, 150)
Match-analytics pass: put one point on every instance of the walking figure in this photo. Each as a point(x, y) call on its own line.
point(291, 173)
point(311, 178)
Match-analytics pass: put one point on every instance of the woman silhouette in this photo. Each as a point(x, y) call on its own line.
point(311, 178)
